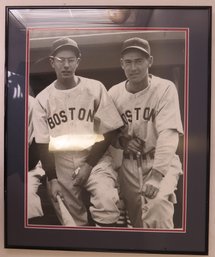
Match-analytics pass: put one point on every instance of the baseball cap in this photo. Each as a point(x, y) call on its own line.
point(136, 43)
point(64, 42)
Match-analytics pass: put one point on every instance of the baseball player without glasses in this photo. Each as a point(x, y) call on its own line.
point(149, 107)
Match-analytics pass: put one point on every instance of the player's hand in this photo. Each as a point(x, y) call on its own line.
point(134, 145)
point(55, 189)
point(81, 176)
point(152, 186)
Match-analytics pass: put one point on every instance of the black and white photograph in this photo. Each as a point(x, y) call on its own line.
point(106, 128)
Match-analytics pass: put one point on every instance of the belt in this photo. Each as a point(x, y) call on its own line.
point(150, 154)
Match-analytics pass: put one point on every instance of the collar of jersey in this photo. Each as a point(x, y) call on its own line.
point(69, 89)
point(143, 91)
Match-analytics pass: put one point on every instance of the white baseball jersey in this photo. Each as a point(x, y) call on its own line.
point(148, 112)
point(86, 109)
point(83, 110)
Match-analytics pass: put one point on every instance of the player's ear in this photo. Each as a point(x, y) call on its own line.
point(122, 64)
point(78, 60)
point(51, 61)
point(150, 61)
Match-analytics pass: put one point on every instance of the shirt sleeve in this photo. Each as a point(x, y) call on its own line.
point(168, 111)
point(166, 147)
point(98, 149)
point(107, 117)
point(41, 130)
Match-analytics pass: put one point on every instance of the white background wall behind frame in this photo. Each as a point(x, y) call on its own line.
point(46, 253)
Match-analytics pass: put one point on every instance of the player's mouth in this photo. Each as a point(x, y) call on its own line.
point(133, 75)
point(66, 73)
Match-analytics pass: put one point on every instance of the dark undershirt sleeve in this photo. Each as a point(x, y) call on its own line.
point(98, 149)
point(33, 156)
point(47, 160)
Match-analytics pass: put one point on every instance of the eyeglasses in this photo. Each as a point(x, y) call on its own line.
point(62, 60)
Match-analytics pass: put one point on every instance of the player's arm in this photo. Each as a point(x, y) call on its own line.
point(96, 153)
point(33, 155)
point(42, 136)
point(127, 143)
point(169, 127)
point(166, 147)
point(42, 139)
point(48, 164)
point(100, 148)
point(131, 144)
point(47, 160)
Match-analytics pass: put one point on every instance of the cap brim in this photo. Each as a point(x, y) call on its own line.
point(136, 47)
point(66, 45)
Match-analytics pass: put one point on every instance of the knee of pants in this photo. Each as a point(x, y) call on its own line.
point(34, 206)
point(106, 199)
point(160, 207)
point(158, 213)
point(33, 185)
point(104, 206)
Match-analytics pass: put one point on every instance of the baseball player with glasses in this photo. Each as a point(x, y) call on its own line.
point(149, 107)
point(75, 120)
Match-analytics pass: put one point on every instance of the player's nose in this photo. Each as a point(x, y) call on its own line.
point(133, 66)
point(66, 63)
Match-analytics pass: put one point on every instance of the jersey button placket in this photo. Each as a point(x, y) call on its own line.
point(70, 121)
point(134, 115)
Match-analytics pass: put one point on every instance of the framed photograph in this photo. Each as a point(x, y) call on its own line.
point(107, 128)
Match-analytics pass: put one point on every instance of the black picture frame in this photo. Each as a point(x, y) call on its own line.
point(191, 236)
